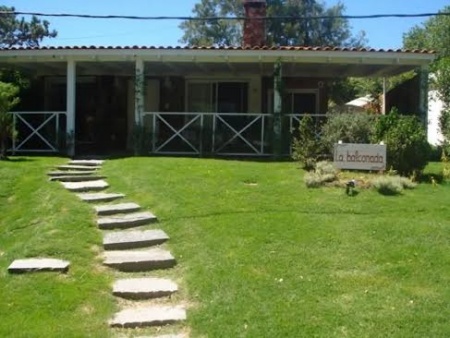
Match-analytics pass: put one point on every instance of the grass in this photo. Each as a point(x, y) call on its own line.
point(39, 218)
point(259, 254)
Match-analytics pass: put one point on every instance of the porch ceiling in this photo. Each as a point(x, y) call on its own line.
point(191, 62)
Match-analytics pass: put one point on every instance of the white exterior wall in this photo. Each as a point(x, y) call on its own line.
point(435, 106)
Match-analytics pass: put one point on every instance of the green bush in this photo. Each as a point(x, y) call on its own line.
point(324, 172)
point(388, 185)
point(306, 146)
point(392, 185)
point(406, 140)
point(348, 128)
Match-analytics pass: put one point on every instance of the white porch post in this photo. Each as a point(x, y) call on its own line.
point(277, 106)
point(139, 91)
point(70, 107)
point(383, 107)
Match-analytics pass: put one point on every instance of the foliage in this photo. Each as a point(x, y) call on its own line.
point(306, 146)
point(348, 128)
point(406, 140)
point(19, 32)
point(141, 140)
point(324, 32)
point(434, 34)
point(388, 185)
point(392, 185)
point(325, 172)
point(8, 99)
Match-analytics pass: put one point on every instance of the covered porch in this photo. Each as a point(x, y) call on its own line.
point(193, 101)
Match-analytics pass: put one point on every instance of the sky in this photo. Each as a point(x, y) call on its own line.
point(381, 33)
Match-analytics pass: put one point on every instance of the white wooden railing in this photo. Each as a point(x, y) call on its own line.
point(247, 134)
point(37, 131)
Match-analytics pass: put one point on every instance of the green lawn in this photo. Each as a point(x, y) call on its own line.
point(259, 254)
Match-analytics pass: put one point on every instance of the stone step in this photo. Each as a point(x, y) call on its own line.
point(71, 173)
point(76, 178)
point(156, 315)
point(144, 288)
point(99, 197)
point(139, 260)
point(111, 209)
point(120, 240)
point(93, 163)
point(85, 185)
point(38, 264)
point(126, 220)
point(78, 167)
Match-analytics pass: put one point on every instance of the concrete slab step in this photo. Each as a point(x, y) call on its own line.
point(120, 240)
point(156, 315)
point(78, 167)
point(126, 220)
point(93, 163)
point(99, 197)
point(76, 178)
point(38, 264)
point(71, 173)
point(144, 288)
point(85, 185)
point(121, 208)
point(139, 260)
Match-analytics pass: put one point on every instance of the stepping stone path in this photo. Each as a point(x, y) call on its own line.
point(38, 264)
point(119, 240)
point(85, 185)
point(126, 220)
point(76, 178)
point(127, 250)
point(99, 197)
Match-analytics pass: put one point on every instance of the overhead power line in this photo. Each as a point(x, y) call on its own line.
point(227, 18)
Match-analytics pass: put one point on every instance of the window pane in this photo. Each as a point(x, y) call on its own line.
point(304, 103)
point(232, 97)
point(199, 98)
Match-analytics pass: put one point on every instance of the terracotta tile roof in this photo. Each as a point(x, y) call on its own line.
point(276, 48)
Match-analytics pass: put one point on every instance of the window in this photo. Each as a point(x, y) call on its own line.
point(222, 97)
point(298, 101)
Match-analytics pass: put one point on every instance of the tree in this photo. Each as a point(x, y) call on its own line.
point(323, 32)
point(8, 99)
point(19, 32)
point(434, 34)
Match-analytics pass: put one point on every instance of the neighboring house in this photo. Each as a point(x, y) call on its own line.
point(360, 104)
point(191, 100)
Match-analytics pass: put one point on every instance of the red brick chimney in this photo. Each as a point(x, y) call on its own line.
point(254, 26)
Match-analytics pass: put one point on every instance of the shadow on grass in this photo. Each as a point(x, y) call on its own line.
point(17, 159)
point(431, 178)
point(273, 211)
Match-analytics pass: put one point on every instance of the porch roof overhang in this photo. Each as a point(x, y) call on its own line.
point(324, 62)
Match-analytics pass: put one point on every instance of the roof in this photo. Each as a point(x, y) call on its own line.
point(275, 48)
point(297, 61)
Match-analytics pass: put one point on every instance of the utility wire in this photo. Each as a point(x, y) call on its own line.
point(227, 18)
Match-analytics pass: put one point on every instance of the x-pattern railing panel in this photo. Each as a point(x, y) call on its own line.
point(177, 132)
point(238, 132)
point(21, 117)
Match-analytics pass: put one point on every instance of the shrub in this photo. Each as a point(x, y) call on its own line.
point(306, 146)
point(406, 140)
point(348, 128)
point(392, 185)
point(324, 172)
point(388, 185)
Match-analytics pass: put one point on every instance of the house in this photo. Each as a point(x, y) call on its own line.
point(187, 100)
